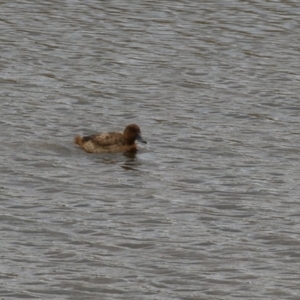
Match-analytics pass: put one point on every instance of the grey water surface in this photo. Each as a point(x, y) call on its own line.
point(209, 208)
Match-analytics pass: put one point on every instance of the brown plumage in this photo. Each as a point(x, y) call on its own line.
point(111, 142)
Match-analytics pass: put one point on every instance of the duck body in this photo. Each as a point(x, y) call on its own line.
point(111, 142)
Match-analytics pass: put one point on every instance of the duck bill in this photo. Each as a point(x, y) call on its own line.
point(140, 139)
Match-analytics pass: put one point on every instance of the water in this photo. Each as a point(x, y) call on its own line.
point(209, 208)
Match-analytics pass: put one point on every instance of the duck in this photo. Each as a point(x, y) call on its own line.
point(111, 142)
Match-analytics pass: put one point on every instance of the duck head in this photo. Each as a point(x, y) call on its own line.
point(131, 133)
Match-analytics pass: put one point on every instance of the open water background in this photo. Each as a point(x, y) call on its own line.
point(209, 208)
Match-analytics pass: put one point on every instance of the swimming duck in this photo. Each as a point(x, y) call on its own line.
point(111, 142)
